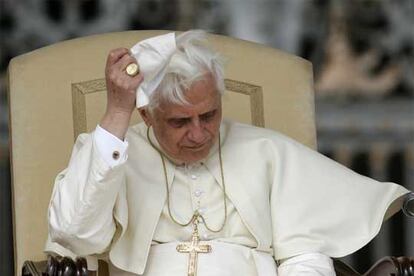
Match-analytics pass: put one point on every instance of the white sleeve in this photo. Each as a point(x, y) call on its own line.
point(81, 209)
point(311, 264)
point(112, 149)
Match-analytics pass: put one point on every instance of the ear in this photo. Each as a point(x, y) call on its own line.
point(145, 115)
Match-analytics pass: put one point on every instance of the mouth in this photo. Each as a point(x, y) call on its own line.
point(197, 147)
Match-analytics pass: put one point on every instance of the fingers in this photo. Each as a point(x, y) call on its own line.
point(117, 78)
point(124, 62)
point(128, 83)
point(120, 86)
point(115, 55)
point(136, 80)
point(117, 61)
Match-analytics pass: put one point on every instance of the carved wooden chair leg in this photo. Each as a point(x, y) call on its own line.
point(82, 268)
point(389, 266)
point(57, 266)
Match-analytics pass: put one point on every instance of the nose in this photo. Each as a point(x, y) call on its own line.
point(196, 133)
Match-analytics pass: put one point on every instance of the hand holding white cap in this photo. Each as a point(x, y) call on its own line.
point(153, 56)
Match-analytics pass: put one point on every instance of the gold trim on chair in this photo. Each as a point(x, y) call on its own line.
point(81, 89)
point(256, 99)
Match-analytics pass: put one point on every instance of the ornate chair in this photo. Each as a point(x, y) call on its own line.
point(58, 92)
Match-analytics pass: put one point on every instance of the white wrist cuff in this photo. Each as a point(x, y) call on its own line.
point(112, 149)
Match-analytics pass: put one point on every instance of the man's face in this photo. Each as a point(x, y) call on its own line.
point(187, 133)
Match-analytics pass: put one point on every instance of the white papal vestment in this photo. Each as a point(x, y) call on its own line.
point(284, 200)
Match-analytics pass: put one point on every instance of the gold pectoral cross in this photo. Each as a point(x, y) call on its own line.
point(193, 248)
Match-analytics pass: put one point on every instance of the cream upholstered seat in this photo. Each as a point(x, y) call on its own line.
point(58, 91)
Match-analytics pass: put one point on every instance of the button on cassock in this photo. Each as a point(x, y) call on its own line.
point(198, 192)
point(115, 155)
point(202, 210)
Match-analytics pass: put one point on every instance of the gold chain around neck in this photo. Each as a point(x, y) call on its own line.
point(196, 214)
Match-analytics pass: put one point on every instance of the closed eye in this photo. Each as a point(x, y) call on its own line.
point(178, 122)
point(206, 117)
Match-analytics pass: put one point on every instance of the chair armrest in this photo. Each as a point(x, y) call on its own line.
point(31, 268)
point(388, 266)
point(63, 266)
point(408, 205)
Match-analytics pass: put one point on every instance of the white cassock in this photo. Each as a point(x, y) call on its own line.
point(285, 201)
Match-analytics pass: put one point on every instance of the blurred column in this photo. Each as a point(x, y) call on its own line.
point(343, 154)
point(275, 23)
point(246, 20)
point(6, 229)
point(409, 169)
point(289, 25)
point(379, 155)
point(187, 14)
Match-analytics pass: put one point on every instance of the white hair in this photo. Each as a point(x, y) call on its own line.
point(193, 61)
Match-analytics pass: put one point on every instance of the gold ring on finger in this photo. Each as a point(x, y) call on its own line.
point(132, 69)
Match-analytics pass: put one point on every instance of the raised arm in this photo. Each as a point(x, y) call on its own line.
point(81, 215)
point(121, 92)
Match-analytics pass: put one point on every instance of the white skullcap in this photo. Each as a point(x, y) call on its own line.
point(153, 56)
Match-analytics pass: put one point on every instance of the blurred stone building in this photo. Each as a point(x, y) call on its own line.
point(363, 56)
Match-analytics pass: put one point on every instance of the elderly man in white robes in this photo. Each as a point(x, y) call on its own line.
point(189, 193)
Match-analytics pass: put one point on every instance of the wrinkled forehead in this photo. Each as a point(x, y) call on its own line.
point(201, 91)
point(199, 101)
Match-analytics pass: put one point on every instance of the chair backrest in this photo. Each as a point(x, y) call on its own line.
point(58, 91)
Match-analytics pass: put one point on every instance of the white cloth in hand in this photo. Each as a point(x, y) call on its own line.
point(153, 56)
